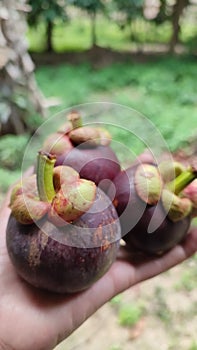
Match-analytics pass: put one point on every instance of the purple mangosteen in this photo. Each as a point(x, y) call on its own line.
point(86, 149)
point(154, 212)
point(63, 232)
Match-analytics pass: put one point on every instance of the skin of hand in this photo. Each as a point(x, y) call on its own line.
point(37, 320)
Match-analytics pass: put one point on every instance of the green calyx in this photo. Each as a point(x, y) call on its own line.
point(177, 208)
point(169, 170)
point(152, 187)
point(58, 192)
point(148, 183)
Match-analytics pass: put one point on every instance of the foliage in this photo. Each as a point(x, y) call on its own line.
point(7, 178)
point(48, 12)
point(130, 8)
point(90, 6)
point(75, 35)
point(8, 145)
point(43, 10)
point(130, 11)
point(164, 12)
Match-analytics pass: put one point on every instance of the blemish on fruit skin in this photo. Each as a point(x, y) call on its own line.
point(99, 233)
point(105, 245)
point(35, 249)
point(147, 175)
point(115, 202)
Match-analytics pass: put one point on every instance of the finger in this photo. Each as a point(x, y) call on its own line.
point(175, 256)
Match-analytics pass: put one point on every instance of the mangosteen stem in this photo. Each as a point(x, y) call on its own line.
point(45, 165)
point(76, 120)
point(183, 180)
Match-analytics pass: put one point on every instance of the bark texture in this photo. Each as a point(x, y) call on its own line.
point(178, 9)
point(18, 90)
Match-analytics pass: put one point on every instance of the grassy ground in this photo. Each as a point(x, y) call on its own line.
point(164, 90)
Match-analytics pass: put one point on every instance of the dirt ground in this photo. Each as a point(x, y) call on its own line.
point(168, 321)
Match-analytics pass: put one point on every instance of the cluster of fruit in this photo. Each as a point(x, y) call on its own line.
point(68, 218)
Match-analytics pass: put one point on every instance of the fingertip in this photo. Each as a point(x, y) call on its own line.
point(190, 243)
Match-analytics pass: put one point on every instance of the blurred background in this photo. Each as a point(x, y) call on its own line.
point(137, 53)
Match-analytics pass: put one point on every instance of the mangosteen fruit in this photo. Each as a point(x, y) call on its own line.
point(154, 212)
point(86, 149)
point(63, 232)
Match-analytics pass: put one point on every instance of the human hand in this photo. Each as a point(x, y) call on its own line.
point(37, 320)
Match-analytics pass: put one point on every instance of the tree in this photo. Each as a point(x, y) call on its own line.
point(172, 13)
point(92, 7)
point(178, 9)
point(19, 94)
point(131, 9)
point(48, 12)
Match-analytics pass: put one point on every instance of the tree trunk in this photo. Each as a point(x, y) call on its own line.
point(49, 33)
point(93, 29)
point(176, 15)
point(19, 94)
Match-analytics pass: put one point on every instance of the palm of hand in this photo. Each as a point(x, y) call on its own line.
point(33, 319)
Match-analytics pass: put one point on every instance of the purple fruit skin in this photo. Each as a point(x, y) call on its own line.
point(59, 267)
point(135, 217)
point(96, 163)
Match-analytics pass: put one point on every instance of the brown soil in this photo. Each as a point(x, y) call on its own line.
point(100, 57)
point(168, 323)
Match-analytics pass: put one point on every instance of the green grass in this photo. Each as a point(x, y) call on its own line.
point(164, 91)
point(193, 346)
point(76, 34)
point(115, 347)
point(130, 314)
point(65, 36)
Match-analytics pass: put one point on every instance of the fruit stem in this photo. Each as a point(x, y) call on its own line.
point(183, 180)
point(45, 165)
point(76, 120)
